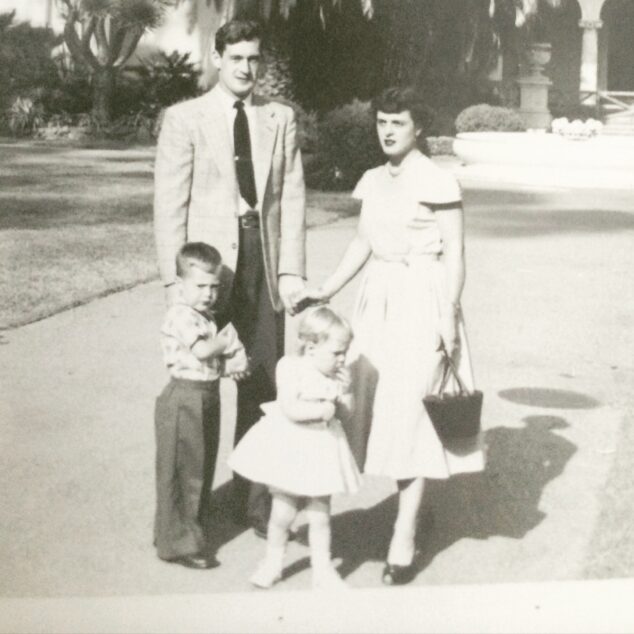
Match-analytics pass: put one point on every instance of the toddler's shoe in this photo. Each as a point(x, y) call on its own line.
point(266, 575)
point(327, 578)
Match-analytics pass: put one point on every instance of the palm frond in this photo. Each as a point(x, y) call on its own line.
point(142, 14)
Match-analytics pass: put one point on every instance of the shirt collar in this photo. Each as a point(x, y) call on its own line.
point(228, 99)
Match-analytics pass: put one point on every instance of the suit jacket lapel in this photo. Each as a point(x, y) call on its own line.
point(266, 132)
point(217, 132)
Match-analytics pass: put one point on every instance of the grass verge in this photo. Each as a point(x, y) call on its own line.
point(76, 224)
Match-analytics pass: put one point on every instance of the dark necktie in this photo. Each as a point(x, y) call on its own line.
point(242, 149)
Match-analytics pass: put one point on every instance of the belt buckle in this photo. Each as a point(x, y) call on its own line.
point(250, 220)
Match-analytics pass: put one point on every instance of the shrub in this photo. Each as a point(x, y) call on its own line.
point(159, 82)
point(347, 146)
point(562, 108)
point(25, 59)
point(25, 116)
point(72, 94)
point(484, 117)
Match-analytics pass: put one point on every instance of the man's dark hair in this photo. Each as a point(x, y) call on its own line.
point(237, 31)
point(197, 254)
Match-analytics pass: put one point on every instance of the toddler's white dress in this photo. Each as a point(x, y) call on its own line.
point(301, 458)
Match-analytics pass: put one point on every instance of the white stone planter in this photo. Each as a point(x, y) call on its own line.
point(545, 150)
point(548, 159)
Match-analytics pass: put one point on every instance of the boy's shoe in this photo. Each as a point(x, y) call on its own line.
point(327, 578)
point(196, 561)
point(266, 575)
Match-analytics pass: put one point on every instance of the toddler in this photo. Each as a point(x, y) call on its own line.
point(299, 448)
point(187, 415)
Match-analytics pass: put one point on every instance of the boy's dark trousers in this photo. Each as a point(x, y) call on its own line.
point(187, 423)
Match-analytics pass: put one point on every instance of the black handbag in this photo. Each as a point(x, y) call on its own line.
point(454, 415)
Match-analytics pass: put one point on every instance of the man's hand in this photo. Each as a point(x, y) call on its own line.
point(290, 287)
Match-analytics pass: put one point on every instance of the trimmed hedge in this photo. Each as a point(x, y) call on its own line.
point(483, 117)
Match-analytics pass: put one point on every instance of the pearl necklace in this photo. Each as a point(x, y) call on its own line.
point(394, 171)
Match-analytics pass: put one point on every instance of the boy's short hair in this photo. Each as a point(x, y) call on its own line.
point(236, 31)
point(198, 254)
point(317, 325)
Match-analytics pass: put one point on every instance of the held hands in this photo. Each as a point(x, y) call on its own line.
point(309, 296)
point(290, 287)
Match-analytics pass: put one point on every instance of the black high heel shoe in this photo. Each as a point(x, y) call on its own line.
point(395, 575)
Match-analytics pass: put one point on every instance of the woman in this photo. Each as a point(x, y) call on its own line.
point(410, 234)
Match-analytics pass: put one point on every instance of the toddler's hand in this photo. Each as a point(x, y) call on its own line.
point(344, 379)
point(329, 411)
point(239, 376)
point(224, 339)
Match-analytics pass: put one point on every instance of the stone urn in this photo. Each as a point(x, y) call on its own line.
point(538, 55)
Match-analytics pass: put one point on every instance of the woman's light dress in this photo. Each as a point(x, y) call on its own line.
point(301, 458)
point(393, 357)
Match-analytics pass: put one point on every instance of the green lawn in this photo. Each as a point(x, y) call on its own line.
point(76, 224)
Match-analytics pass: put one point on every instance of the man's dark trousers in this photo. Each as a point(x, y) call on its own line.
point(261, 330)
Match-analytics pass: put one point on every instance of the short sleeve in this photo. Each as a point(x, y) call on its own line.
point(361, 190)
point(439, 189)
point(184, 325)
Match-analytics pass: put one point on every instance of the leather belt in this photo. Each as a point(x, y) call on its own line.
point(249, 220)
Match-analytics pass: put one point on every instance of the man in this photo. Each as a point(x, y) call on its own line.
point(228, 172)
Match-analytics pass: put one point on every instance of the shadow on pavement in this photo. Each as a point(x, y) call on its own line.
point(548, 397)
point(218, 525)
point(517, 222)
point(503, 501)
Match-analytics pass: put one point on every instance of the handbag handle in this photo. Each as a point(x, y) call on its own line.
point(449, 367)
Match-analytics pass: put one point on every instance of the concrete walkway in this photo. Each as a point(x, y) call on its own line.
point(549, 305)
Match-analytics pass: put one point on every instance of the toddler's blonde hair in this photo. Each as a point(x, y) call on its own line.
point(318, 324)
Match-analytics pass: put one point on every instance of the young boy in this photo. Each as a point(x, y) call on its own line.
point(187, 415)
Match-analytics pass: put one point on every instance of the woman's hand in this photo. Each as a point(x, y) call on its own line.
point(449, 329)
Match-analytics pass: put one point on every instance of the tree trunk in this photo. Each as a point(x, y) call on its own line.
point(103, 84)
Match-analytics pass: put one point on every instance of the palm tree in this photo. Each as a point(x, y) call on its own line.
point(101, 35)
point(485, 23)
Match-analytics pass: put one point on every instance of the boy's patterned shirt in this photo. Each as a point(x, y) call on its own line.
point(182, 328)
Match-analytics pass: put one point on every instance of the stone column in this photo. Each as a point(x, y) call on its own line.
point(589, 72)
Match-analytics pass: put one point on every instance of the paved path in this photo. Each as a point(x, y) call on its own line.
point(549, 306)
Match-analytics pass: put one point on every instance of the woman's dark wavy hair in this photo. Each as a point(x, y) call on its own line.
point(399, 99)
point(237, 31)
